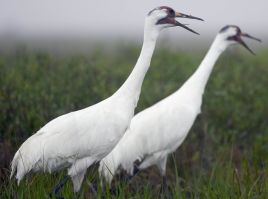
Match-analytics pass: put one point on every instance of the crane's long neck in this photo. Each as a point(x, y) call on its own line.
point(197, 82)
point(132, 86)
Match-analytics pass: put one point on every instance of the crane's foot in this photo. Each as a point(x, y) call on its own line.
point(56, 190)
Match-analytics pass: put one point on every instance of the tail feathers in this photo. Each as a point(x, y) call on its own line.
point(128, 163)
point(108, 167)
point(120, 157)
point(77, 180)
point(128, 157)
point(13, 166)
point(18, 167)
point(23, 162)
point(30, 156)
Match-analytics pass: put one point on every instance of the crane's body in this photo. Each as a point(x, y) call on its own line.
point(78, 139)
point(75, 140)
point(160, 130)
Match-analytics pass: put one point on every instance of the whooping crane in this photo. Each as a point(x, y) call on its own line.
point(160, 130)
point(78, 139)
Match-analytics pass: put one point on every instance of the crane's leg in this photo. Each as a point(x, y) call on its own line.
point(114, 191)
point(164, 187)
point(58, 187)
point(161, 164)
point(93, 188)
point(136, 170)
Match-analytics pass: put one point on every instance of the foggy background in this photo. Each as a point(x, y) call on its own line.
point(108, 21)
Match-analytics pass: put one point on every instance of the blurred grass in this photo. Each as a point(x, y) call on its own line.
point(224, 156)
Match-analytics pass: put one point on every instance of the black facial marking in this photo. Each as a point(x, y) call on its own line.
point(233, 38)
point(170, 18)
point(225, 28)
point(167, 20)
point(170, 11)
point(151, 11)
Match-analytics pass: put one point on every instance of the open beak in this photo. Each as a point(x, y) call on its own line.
point(239, 39)
point(181, 15)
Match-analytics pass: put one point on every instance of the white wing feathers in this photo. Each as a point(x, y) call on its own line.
point(55, 146)
point(149, 139)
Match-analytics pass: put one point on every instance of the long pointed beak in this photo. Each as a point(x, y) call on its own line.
point(249, 36)
point(181, 15)
point(184, 26)
point(244, 44)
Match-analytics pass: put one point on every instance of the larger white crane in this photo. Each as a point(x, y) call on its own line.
point(78, 139)
point(160, 130)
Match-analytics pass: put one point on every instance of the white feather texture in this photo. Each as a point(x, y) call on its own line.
point(160, 130)
point(78, 139)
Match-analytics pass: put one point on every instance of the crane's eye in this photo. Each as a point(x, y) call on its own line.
point(171, 12)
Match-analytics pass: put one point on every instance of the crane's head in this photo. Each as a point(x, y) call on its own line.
point(232, 35)
point(165, 17)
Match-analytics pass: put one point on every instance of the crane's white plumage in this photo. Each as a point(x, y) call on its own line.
point(159, 130)
point(78, 139)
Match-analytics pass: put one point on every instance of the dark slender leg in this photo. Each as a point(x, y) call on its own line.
point(93, 188)
point(58, 187)
point(113, 190)
point(164, 188)
point(135, 172)
point(164, 184)
point(127, 179)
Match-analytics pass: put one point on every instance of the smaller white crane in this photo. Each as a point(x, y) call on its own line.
point(160, 130)
point(78, 139)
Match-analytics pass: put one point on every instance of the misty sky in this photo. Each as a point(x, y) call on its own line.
point(125, 18)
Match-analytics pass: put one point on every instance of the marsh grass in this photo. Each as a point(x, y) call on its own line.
point(224, 156)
